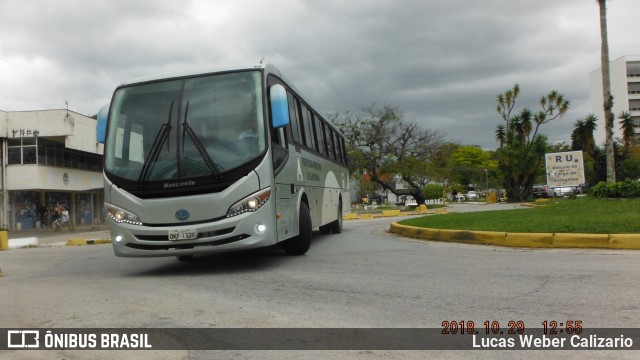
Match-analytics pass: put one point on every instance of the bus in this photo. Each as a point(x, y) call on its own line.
point(219, 160)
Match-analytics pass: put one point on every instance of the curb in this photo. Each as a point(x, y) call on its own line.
point(83, 241)
point(528, 240)
point(392, 213)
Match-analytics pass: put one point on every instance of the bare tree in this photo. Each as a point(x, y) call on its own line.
point(386, 146)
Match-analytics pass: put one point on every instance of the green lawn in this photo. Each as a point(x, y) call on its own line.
point(582, 215)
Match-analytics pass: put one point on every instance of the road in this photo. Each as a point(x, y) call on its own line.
point(362, 278)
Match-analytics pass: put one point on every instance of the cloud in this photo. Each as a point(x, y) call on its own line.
point(443, 63)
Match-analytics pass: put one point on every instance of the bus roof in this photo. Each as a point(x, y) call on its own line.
point(202, 71)
point(267, 67)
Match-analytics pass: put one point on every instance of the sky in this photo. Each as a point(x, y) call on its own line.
point(442, 63)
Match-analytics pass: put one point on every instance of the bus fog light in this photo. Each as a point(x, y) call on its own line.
point(260, 229)
point(118, 238)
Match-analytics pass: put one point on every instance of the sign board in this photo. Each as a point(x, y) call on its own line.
point(565, 169)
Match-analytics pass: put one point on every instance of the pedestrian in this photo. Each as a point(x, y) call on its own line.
point(42, 213)
point(64, 218)
point(56, 211)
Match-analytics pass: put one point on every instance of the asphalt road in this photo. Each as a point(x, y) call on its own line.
point(362, 278)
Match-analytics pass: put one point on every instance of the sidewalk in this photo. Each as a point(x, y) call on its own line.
point(50, 237)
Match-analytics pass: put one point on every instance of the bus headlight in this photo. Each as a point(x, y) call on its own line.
point(121, 215)
point(250, 203)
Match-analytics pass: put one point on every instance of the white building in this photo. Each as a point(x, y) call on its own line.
point(625, 89)
point(49, 157)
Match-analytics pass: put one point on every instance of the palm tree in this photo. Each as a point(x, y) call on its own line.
point(582, 135)
point(501, 134)
point(606, 93)
point(628, 128)
point(590, 126)
point(577, 136)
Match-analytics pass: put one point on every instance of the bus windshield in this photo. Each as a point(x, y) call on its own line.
point(180, 129)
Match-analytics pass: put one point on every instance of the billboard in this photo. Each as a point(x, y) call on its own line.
point(565, 169)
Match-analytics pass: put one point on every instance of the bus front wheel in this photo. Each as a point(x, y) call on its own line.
point(300, 244)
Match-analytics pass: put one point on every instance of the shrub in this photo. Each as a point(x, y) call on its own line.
point(432, 191)
point(625, 189)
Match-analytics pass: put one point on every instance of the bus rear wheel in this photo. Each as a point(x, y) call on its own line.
point(300, 244)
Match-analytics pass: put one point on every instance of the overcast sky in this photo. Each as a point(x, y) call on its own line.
point(441, 62)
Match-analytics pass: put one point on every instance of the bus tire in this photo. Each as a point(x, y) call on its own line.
point(184, 258)
point(300, 244)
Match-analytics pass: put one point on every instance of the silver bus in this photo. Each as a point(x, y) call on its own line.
point(219, 160)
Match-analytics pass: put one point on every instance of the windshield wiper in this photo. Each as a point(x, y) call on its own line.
point(154, 152)
point(213, 167)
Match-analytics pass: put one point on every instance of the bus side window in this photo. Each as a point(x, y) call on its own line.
point(294, 118)
point(329, 136)
point(307, 120)
point(320, 136)
point(338, 148)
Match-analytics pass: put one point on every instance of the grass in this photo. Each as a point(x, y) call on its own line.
point(583, 215)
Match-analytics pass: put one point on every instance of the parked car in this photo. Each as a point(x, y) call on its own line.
point(472, 195)
point(560, 191)
point(539, 191)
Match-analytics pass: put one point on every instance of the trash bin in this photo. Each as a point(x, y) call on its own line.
point(492, 197)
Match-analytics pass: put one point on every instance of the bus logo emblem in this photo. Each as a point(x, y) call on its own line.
point(182, 214)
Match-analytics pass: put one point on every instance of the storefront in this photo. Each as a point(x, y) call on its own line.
point(50, 159)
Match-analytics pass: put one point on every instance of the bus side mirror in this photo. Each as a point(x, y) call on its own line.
point(279, 106)
point(101, 125)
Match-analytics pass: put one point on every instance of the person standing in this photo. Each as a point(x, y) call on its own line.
point(56, 211)
point(42, 213)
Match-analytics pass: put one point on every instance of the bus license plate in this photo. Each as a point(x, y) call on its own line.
point(187, 234)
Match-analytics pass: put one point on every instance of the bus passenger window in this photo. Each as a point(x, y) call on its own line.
point(307, 117)
point(320, 137)
point(294, 118)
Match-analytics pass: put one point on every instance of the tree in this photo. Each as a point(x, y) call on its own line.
point(606, 93)
point(521, 156)
point(582, 135)
point(469, 164)
point(628, 128)
point(501, 134)
point(382, 143)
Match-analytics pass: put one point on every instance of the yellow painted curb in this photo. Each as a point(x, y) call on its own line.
point(456, 235)
point(350, 216)
point(490, 237)
point(390, 213)
point(529, 240)
point(534, 240)
point(83, 241)
point(365, 216)
point(624, 241)
point(77, 242)
point(428, 234)
point(99, 241)
point(581, 241)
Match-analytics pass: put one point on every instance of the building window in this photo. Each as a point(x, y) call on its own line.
point(39, 151)
point(22, 151)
